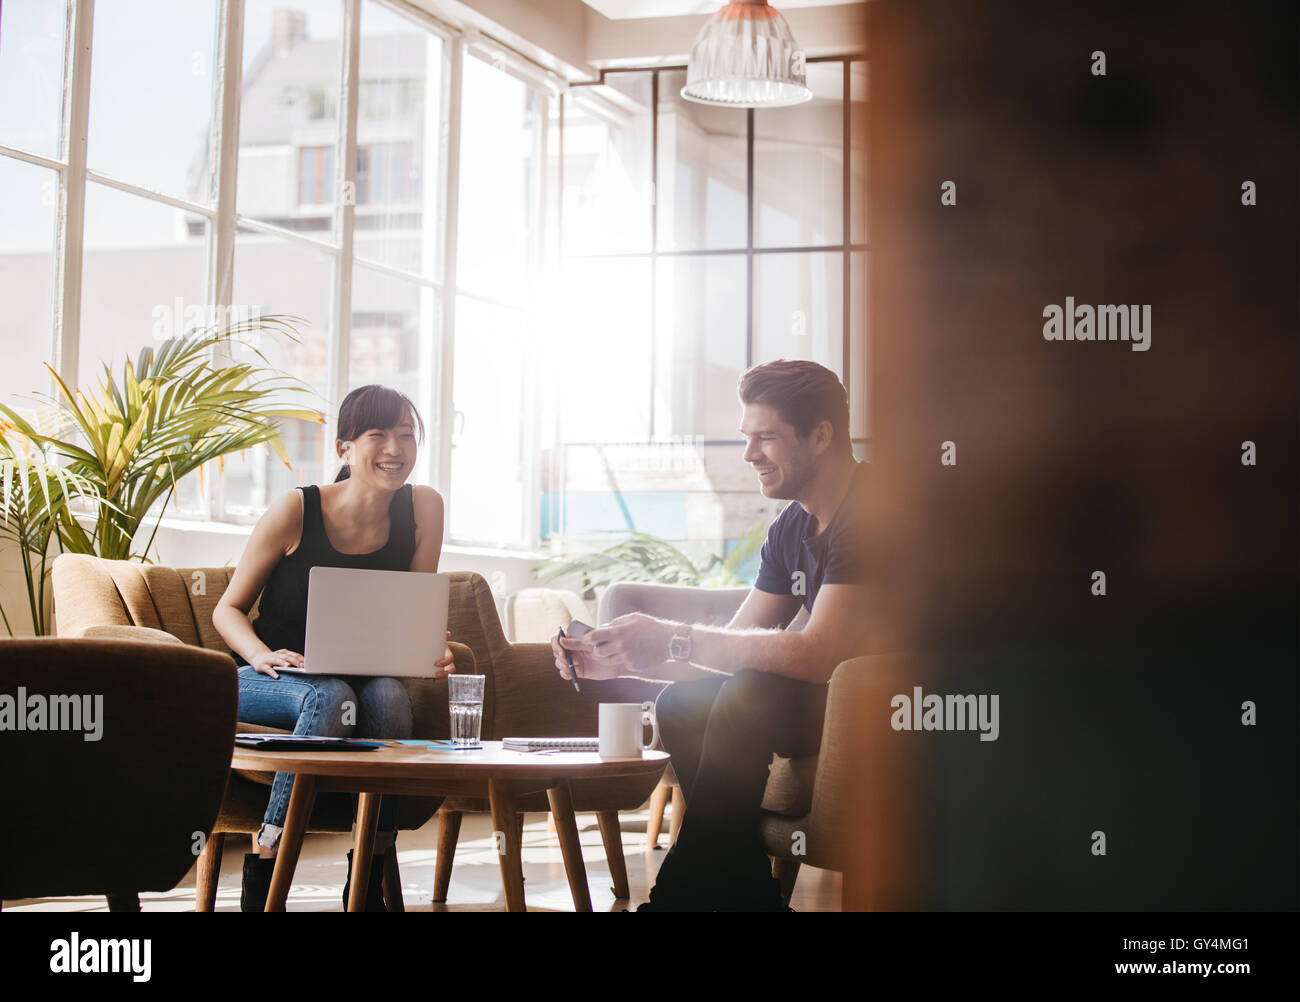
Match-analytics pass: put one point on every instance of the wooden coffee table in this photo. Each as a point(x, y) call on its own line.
point(501, 776)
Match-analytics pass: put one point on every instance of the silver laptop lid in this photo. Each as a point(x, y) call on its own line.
point(366, 622)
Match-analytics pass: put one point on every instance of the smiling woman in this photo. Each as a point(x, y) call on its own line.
point(370, 518)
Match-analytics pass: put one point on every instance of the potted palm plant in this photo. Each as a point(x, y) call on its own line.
point(121, 449)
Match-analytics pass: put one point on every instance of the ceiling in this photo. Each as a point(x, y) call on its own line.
point(621, 9)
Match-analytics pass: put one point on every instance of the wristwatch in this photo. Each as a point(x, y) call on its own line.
point(679, 648)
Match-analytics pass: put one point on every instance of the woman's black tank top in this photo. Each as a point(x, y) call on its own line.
point(282, 614)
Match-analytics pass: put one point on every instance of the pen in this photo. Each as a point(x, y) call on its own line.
point(568, 657)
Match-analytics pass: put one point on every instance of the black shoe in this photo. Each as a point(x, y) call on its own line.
point(661, 902)
point(762, 896)
point(655, 906)
point(374, 889)
point(257, 882)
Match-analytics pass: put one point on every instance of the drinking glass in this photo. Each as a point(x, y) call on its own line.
point(465, 697)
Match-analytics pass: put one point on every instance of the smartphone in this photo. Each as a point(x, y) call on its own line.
point(577, 628)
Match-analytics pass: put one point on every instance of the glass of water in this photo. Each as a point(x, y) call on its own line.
point(465, 697)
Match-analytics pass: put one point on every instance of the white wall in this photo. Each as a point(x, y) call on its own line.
point(13, 592)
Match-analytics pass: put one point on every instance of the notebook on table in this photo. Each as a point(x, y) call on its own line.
point(303, 742)
point(551, 744)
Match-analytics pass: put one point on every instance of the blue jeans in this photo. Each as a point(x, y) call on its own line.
point(326, 706)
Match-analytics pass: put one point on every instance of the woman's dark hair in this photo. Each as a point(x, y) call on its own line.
point(369, 407)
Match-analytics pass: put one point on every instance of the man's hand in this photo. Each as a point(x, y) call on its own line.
point(585, 662)
point(631, 644)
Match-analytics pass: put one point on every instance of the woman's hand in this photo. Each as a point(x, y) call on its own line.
point(446, 664)
point(266, 663)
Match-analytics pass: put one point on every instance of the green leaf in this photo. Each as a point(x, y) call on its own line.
point(132, 439)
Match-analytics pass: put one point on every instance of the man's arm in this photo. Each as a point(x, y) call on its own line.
point(763, 610)
point(759, 610)
point(837, 630)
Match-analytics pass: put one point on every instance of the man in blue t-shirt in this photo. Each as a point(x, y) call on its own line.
point(745, 691)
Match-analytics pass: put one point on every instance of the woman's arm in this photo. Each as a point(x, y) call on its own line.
point(428, 529)
point(428, 548)
point(276, 533)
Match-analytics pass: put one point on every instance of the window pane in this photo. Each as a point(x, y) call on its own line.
point(500, 183)
point(142, 278)
point(26, 278)
point(288, 118)
point(276, 277)
point(399, 116)
point(858, 145)
point(799, 166)
point(603, 343)
point(150, 118)
point(315, 175)
point(31, 64)
point(393, 342)
point(491, 493)
point(700, 193)
point(799, 308)
point(607, 177)
point(699, 345)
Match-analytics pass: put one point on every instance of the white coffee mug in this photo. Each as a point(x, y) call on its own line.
point(622, 729)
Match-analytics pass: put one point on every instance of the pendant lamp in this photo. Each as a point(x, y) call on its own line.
point(746, 57)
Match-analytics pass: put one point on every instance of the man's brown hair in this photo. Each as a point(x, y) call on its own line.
point(804, 393)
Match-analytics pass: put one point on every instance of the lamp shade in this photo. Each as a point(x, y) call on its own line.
point(746, 57)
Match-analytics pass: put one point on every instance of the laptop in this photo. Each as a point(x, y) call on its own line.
point(364, 622)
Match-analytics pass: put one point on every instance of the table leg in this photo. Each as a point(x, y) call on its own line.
point(209, 872)
point(301, 801)
point(612, 835)
point(566, 827)
point(367, 817)
point(502, 798)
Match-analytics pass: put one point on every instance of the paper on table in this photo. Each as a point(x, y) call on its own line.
point(436, 745)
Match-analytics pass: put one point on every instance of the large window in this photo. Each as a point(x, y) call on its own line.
point(567, 281)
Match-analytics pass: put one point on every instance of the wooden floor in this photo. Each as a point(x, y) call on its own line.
point(475, 880)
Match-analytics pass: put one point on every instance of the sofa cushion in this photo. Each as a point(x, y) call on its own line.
point(790, 786)
point(130, 633)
